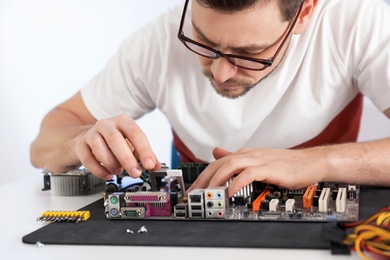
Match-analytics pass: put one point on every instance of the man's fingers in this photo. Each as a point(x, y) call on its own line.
point(114, 144)
point(213, 171)
point(219, 153)
point(204, 178)
point(120, 149)
point(232, 165)
point(89, 161)
point(130, 145)
point(101, 152)
point(243, 179)
point(137, 139)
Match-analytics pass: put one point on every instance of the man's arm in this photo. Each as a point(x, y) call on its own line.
point(54, 146)
point(70, 136)
point(359, 163)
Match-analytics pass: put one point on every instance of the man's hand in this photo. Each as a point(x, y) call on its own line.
point(114, 144)
point(291, 169)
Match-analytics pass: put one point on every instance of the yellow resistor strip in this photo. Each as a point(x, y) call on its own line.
point(58, 215)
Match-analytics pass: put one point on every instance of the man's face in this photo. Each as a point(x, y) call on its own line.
point(256, 32)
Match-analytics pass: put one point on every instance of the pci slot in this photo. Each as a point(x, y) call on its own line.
point(341, 200)
point(308, 196)
point(323, 201)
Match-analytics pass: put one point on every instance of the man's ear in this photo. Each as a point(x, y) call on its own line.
point(305, 16)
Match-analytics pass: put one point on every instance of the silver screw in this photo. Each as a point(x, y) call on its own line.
point(143, 230)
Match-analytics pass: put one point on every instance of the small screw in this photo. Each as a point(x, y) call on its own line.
point(129, 231)
point(143, 230)
point(39, 244)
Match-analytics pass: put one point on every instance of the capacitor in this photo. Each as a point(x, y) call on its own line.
point(315, 200)
point(269, 196)
point(265, 205)
point(351, 194)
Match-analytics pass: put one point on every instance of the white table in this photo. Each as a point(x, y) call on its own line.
point(23, 201)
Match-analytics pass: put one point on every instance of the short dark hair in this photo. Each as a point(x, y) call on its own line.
point(288, 8)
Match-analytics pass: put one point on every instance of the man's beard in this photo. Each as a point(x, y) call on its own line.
point(246, 86)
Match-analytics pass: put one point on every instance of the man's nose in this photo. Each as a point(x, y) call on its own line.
point(223, 70)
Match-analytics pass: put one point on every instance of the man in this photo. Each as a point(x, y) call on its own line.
point(284, 74)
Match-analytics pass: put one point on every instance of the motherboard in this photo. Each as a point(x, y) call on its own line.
point(162, 195)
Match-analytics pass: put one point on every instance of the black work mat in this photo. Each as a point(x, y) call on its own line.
point(199, 233)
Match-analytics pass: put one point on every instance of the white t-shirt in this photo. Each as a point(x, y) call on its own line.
point(344, 51)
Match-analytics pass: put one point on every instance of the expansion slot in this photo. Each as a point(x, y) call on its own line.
point(323, 201)
point(341, 200)
point(308, 196)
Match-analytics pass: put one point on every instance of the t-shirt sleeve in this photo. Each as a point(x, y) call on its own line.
point(371, 46)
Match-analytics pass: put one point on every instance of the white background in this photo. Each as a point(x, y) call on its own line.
point(50, 48)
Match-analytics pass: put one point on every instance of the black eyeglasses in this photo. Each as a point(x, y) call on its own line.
point(237, 60)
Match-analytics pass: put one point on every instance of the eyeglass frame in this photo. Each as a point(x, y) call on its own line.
point(266, 62)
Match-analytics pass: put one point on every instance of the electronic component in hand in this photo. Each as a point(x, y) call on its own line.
point(65, 216)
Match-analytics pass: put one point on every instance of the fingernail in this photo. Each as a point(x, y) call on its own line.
point(149, 164)
point(135, 173)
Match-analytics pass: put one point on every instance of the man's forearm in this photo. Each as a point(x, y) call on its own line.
point(360, 163)
point(54, 146)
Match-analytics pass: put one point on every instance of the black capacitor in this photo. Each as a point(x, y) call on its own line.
point(265, 205)
point(315, 200)
point(299, 214)
point(245, 213)
point(269, 196)
point(351, 194)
